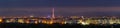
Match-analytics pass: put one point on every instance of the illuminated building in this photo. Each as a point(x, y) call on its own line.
point(1, 20)
point(53, 14)
point(21, 20)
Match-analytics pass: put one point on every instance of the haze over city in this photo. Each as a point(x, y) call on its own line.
point(62, 7)
point(59, 13)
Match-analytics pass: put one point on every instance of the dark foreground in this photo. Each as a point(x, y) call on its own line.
point(16, 25)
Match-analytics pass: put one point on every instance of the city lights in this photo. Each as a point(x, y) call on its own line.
point(61, 19)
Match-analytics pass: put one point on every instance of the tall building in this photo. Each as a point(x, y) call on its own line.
point(53, 14)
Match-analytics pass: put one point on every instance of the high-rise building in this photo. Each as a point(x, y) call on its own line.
point(53, 14)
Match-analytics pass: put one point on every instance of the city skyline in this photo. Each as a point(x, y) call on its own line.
point(59, 13)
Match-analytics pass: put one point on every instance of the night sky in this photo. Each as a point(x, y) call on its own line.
point(62, 7)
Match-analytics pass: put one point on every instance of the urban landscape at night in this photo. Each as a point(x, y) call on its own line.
point(62, 20)
point(59, 13)
point(97, 20)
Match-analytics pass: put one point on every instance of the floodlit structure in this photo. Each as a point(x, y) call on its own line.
point(53, 13)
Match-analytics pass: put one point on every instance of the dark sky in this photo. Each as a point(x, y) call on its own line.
point(62, 7)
